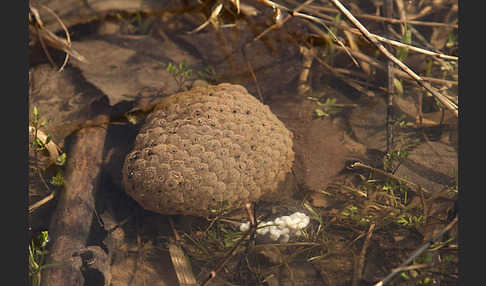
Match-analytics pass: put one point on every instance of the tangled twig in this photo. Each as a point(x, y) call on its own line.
point(416, 253)
point(444, 100)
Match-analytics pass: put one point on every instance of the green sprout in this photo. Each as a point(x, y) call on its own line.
point(208, 74)
point(330, 50)
point(408, 220)
point(57, 180)
point(328, 108)
point(355, 215)
point(402, 52)
point(37, 143)
point(181, 73)
point(37, 254)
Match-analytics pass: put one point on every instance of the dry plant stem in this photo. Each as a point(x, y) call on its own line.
point(334, 37)
point(402, 14)
point(428, 46)
point(359, 270)
point(392, 20)
point(415, 49)
point(378, 37)
point(444, 100)
point(68, 38)
point(50, 38)
point(390, 89)
point(280, 23)
point(45, 200)
point(174, 230)
point(416, 253)
point(220, 265)
point(349, 82)
point(389, 107)
point(396, 71)
point(44, 48)
point(414, 187)
point(252, 73)
point(182, 268)
point(39, 203)
point(412, 267)
point(308, 55)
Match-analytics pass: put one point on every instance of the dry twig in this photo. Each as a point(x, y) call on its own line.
point(391, 20)
point(223, 261)
point(414, 187)
point(444, 100)
point(416, 253)
point(330, 22)
point(359, 269)
point(45, 36)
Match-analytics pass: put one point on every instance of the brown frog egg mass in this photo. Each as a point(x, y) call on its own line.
point(206, 148)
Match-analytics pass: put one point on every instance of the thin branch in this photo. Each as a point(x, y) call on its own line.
point(252, 73)
point(415, 49)
point(378, 37)
point(414, 187)
point(390, 89)
point(280, 23)
point(330, 22)
point(51, 39)
point(340, 75)
point(39, 203)
point(416, 253)
point(396, 71)
point(444, 100)
point(359, 269)
point(387, 19)
point(68, 37)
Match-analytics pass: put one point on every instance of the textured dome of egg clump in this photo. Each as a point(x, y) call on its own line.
point(207, 148)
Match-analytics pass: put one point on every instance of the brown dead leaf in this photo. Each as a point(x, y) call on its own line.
point(73, 12)
point(432, 165)
point(125, 68)
point(64, 99)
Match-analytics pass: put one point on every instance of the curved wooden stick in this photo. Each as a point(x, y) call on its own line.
point(71, 223)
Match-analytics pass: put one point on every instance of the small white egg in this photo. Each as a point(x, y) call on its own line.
point(274, 234)
point(245, 226)
point(284, 238)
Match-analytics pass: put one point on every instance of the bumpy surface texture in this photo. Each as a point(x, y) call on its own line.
point(207, 146)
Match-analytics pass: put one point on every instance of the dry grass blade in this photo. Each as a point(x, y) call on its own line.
point(339, 74)
point(317, 30)
point(252, 73)
point(68, 38)
point(392, 20)
point(444, 100)
point(213, 16)
point(181, 265)
point(41, 202)
point(398, 72)
point(415, 49)
point(322, 20)
point(36, 27)
point(282, 21)
point(237, 5)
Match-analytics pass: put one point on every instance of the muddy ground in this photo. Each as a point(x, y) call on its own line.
point(127, 55)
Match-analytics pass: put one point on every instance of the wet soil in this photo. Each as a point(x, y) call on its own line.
point(129, 71)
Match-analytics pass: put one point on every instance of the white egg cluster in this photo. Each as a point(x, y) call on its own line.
point(282, 227)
